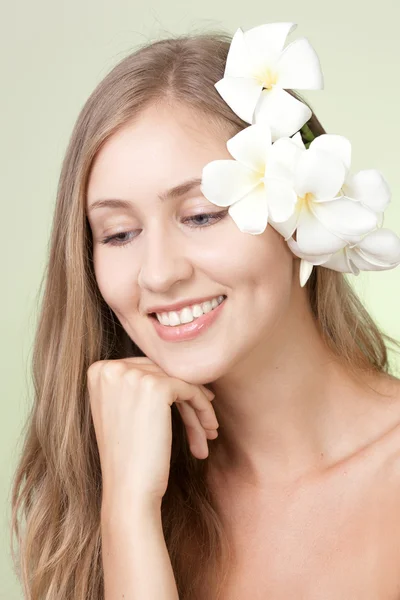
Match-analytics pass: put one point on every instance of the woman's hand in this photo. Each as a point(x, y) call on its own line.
point(131, 400)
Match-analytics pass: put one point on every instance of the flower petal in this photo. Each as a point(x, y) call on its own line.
point(339, 261)
point(265, 41)
point(285, 114)
point(250, 146)
point(320, 173)
point(241, 94)
point(282, 159)
point(313, 238)
point(315, 259)
point(369, 187)
point(281, 199)
point(345, 217)
point(251, 212)
point(365, 265)
point(239, 59)
point(286, 228)
point(356, 261)
point(298, 140)
point(336, 144)
point(299, 67)
point(381, 248)
point(226, 181)
point(305, 271)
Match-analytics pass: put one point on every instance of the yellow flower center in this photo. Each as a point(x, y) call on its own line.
point(305, 201)
point(267, 77)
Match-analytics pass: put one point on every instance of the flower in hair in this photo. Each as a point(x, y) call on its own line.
point(333, 209)
point(342, 233)
point(377, 251)
point(299, 183)
point(244, 184)
point(294, 188)
point(258, 70)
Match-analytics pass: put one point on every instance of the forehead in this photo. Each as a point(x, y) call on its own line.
point(158, 150)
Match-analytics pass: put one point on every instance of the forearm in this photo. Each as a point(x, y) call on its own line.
point(136, 562)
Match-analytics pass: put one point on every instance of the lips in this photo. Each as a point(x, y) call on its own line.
point(188, 331)
point(182, 306)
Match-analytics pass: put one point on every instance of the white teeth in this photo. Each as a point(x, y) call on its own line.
point(189, 313)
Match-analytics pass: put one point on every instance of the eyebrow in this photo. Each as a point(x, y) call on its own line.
point(175, 192)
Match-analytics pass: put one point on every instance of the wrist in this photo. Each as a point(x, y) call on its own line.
point(122, 508)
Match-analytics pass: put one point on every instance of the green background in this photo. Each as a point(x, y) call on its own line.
point(54, 53)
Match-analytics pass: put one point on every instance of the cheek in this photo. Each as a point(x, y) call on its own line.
point(274, 270)
point(277, 258)
point(237, 256)
point(264, 273)
point(114, 278)
point(262, 258)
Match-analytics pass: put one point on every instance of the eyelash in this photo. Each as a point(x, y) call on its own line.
point(112, 239)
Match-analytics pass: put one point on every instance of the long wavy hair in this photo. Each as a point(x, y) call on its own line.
point(57, 487)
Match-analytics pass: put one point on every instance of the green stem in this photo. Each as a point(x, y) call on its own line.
point(307, 135)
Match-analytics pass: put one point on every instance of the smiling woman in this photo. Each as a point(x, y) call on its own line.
point(124, 487)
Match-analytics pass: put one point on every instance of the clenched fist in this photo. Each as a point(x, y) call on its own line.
point(130, 401)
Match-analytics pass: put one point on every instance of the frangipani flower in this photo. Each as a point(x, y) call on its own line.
point(324, 218)
point(292, 187)
point(379, 250)
point(304, 191)
point(258, 71)
point(243, 184)
point(367, 186)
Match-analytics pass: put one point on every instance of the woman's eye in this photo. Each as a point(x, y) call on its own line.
point(115, 240)
point(213, 216)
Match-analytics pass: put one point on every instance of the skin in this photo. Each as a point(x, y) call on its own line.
point(290, 415)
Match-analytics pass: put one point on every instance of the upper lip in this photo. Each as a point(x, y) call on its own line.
point(181, 304)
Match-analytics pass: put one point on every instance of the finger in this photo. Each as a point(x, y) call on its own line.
point(211, 433)
point(190, 417)
point(148, 365)
point(197, 395)
point(196, 435)
point(198, 399)
point(209, 393)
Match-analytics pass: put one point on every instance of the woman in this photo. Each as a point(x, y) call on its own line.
point(122, 496)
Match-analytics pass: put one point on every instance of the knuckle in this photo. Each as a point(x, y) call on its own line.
point(132, 376)
point(93, 371)
point(111, 369)
point(150, 383)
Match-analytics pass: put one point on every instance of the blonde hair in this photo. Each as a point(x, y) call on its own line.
point(57, 487)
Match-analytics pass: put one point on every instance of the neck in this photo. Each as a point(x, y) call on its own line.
point(291, 407)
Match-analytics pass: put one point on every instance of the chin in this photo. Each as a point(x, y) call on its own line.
point(194, 372)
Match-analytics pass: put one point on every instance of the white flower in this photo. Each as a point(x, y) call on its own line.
point(377, 251)
point(308, 193)
point(325, 218)
point(242, 184)
point(292, 187)
point(258, 71)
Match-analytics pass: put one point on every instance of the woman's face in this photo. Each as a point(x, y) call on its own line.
point(164, 257)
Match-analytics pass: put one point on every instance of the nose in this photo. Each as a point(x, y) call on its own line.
point(163, 262)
